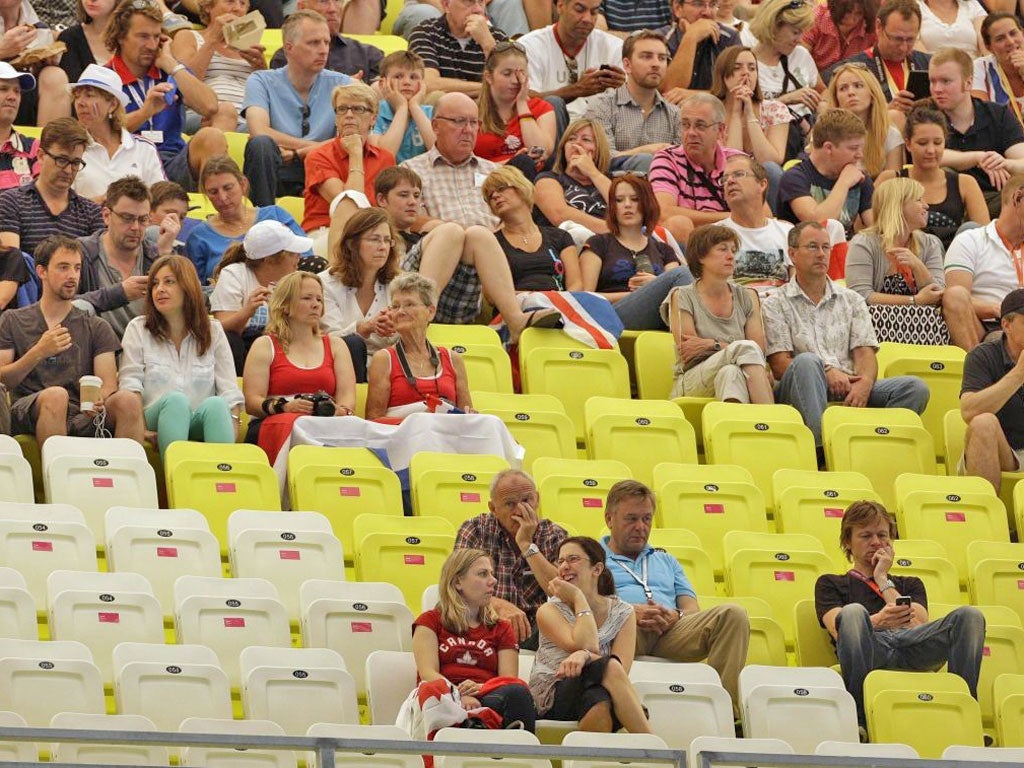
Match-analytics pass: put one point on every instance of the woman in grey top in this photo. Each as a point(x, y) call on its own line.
point(587, 642)
point(894, 262)
point(717, 325)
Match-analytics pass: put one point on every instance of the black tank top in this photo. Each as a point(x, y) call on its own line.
point(944, 218)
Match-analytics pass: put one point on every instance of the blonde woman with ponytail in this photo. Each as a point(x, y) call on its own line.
point(894, 262)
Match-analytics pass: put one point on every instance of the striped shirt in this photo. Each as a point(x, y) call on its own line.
point(672, 172)
point(452, 192)
point(458, 59)
point(24, 212)
point(631, 15)
point(19, 162)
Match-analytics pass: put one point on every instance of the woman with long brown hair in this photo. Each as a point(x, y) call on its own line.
point(362, 266)
point(758, 126)
point(178, 360)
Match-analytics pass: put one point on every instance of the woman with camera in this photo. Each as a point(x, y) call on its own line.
point(178, 360)
point(414, 376)
point(290, 369)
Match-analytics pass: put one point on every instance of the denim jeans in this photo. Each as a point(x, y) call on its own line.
point(640, 310)
point(805, 387)
point(957, 639)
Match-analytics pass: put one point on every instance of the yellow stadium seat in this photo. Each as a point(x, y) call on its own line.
point(693, 410)
point(654, 357)
point(573, 491)
point(813, 644)
point(941, 368)
point(685, 546)
point(814, 502)
point(767, 638)
point(574, 376)
point(272, 42)
point(953, 511)
point(387, 22)
point(487, 364)
point(709, 500)
point(294, 205)
point(762, 438)
point(217, 479)
point(881, 443)
point(780, 568)
point(940, 576)
point(1008, 694)
point(537, 422)
point(200, 206)
point(342, 483)
point(447, 334)
point(408, 552)
point(995, 574)
point(639, 433)
point(453, 486)
point(927, 710)
point(1002, 654)
point(236, 147)
point(31, 131)
point(386, 43)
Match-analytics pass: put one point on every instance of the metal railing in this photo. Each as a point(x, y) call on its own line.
point(716, 759)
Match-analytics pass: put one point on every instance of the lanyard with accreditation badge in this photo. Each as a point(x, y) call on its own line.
point(642, 579)
point(1015, 255)
point(870, 582)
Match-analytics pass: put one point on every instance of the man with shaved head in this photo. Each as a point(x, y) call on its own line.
point(452, 175)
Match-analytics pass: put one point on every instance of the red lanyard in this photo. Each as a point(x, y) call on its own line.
point(870, 582)
point(1018, 259)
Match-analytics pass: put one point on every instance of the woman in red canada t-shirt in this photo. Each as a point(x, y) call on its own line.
point(463, 640)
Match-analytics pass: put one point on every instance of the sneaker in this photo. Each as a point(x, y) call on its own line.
point(862, 732)
point(515, 725)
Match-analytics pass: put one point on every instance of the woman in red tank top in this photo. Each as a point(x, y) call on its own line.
point(414, 375)
point(295, 358)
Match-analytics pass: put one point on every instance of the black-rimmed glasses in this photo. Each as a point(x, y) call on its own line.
point(63, 161)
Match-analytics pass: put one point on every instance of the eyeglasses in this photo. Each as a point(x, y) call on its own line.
point(507, 45)
point(498, 191)
point(142, 5)
point(796, 5)
point(737, 175)
point(305, 119)
point(356, 109)
point(700, 125)
point(900, 40)
point(378, 240)
point(711, 6)
point(570, 559)
point(63, 161)
point(820, 247)
point(406, 305)
point(129, 220)
point(460, 122)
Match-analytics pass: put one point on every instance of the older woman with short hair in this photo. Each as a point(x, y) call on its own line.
point(540, 258)
point(414, 376)
point(112, 151)
point(348, 164)
point(717, 326)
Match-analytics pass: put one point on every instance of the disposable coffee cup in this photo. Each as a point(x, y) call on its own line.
point(89, 391)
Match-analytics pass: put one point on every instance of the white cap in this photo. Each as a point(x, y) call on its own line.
point(266, 238)
point(25, 80)
point(102, 79)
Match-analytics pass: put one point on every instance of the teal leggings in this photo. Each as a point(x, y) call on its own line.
point(173, 419)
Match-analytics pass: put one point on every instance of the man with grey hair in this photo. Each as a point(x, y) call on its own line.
point(288, 110)
point(687, 178)
point(522, 546)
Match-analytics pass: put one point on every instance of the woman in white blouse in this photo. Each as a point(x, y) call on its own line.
point(179, 361)
point(952, 24)
point(362, 265)
point(112, 152)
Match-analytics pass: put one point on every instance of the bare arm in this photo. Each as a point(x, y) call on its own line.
point(974, 200)
point(754, 327)
point(256, 376)
point(10, 240)
point(258, 120)
point(571, 263)
point(462, 397)
point(581, 635)
point(993, 397)
point(425, 651)
point(379, 385)
point(779, 362)
point(344, 377)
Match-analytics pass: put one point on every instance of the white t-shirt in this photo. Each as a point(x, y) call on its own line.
point(762, 260)
point(981, 252)
point(234, 284)
point(893, 139)
point(342, 312)
point(801, 66)
point(135, 157)
point(936, 34)
point(548, 70)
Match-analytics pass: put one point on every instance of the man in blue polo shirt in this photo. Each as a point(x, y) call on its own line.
point(159, 87)
point(669, 622)
point(289, 110)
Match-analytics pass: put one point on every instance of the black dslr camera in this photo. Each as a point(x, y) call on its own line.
point(323, 404)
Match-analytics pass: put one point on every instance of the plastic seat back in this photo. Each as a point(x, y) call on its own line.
point(390, 675)
point(450, 485)
point(574, 490)
point(232, 757)
point(106, 754)
point(40, 679)
point(654, 358)
point(537, 422)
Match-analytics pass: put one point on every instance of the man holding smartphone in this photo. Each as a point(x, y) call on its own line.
point(879, 621)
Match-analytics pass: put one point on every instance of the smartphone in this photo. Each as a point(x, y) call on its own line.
point(918, 84)
point(605, 66)
point(903, 600)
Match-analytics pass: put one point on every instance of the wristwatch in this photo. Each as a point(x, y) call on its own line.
point(717, 347)
point(531, 550)
point(888, 585)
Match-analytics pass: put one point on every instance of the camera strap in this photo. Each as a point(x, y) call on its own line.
point(403, 361)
